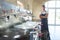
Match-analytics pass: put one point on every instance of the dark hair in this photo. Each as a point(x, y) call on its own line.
point(43, 5)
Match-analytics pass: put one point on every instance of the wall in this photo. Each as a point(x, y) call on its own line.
point(37, 8)
point(27, 4)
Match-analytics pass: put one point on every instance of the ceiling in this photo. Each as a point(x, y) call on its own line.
point(15, 1)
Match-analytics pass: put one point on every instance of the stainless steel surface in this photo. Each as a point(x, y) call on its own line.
point(15, 24)
point(27, 25)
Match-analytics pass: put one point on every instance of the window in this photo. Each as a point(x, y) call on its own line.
point(53, 8)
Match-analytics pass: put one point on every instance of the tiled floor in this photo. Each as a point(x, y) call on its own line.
point(54, 32)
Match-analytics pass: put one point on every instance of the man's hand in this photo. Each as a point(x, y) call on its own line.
point(44, 16)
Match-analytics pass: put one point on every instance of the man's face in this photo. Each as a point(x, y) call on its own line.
point(43, 8)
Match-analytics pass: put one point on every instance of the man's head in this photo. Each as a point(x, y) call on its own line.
point(43, 7)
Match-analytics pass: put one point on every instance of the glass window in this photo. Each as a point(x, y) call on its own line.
point(51, 16)
point(50, 3)
point(54, 18)
point(57, 16)
point(57, 4)
point(53, 6)
point(46, 4)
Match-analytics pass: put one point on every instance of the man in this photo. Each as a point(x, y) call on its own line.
point(44, 27)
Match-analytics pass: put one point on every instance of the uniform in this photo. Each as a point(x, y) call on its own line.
point(44, 26)
point(44, 21)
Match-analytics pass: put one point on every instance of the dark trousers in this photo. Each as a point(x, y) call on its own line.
point(46, 35)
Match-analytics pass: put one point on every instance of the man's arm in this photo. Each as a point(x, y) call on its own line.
point(44, 16)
